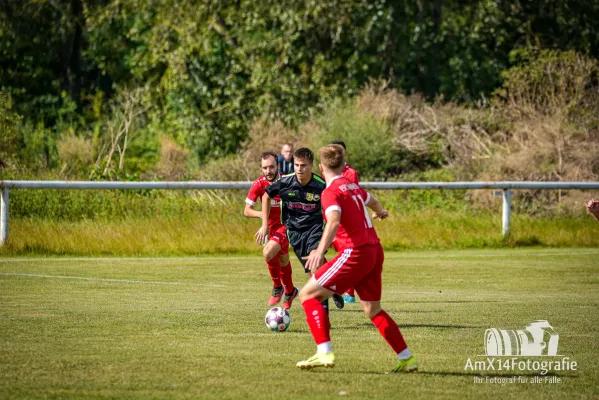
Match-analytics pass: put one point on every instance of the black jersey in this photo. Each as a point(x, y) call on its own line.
point(300, 204)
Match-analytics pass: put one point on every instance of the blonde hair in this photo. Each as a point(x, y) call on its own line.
point(331, 156)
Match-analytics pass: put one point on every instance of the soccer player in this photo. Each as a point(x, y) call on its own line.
point(593, 207)
point(359, 264)
point(276, 250)
point(348, 172)
point(352, 175)
point(300, 209)
point(285, 159)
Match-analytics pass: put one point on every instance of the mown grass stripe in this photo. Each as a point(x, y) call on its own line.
point(392, 255)
point(84, 278)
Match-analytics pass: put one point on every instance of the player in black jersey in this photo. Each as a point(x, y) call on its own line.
point(301, 211)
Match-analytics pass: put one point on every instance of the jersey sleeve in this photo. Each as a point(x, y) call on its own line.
point(254, 194)
point(274, 189)
point(330, 202)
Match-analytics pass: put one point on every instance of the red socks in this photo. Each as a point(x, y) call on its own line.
point(319, 324)
point(389, 330)
point(280, 275)
point(287, 278)
point(274, 267)
point(318, 320)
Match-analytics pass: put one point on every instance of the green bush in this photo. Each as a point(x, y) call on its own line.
point(368, 140)
point(9, 134)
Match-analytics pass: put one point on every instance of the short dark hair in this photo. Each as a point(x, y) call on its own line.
point(340, 143)
point(304, 153)
point(267, 154)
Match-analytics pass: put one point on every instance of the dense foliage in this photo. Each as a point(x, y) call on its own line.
point(114, 76)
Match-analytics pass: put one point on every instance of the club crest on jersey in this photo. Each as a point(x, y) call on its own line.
point(312, 197)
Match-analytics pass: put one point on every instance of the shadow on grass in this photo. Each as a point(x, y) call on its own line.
point(359, 310)
point(402, 326)
point(444, 373)
point(496, 374)
point(440, 326)
point(453, 301)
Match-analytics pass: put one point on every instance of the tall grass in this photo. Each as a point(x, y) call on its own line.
point(211, 232)
point(152, 223)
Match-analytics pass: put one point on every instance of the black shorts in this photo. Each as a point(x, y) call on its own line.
point(304, 242)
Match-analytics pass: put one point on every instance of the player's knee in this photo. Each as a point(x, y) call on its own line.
point(304, 295)
point(284, 259)
point(271, 250)
point(268, 253)
point(371, 309)
point(308, 292)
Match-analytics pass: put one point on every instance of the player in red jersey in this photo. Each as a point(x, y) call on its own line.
point(359, 264)
point(352, 175)
point(348, 172)
point(276, 249)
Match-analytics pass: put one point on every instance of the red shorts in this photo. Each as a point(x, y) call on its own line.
point(279, 235)
point(360, 267)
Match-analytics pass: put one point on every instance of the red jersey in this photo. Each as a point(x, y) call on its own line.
point(350, 174)
point(255, 194)
point(350, 199)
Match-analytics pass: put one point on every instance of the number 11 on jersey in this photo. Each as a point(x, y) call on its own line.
point(362, 206)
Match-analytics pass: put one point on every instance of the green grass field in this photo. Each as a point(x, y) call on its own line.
point(162, 328)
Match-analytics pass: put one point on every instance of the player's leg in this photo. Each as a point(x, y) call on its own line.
point(297, 241)
point(338, 300)
point(280, 236)
point(312, 242)
point(291, 291)
point(286, 272)
point(349, 296)
point(270, 252)
point(300, 241)
point(337, 274)
point(312, 295)
point(369, 289)
point(391, 333)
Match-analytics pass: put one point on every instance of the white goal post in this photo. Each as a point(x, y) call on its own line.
point(506, 187)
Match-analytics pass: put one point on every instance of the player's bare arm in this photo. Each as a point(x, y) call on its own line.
point(379, 212)
point(249, 212)
point(262, 233)
point(316, 258)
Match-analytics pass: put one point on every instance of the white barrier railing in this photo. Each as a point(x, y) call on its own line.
point(506, 187)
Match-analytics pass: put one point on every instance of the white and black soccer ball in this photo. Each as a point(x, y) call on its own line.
point(277, 319)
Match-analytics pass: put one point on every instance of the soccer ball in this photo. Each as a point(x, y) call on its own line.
point(277, 319)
